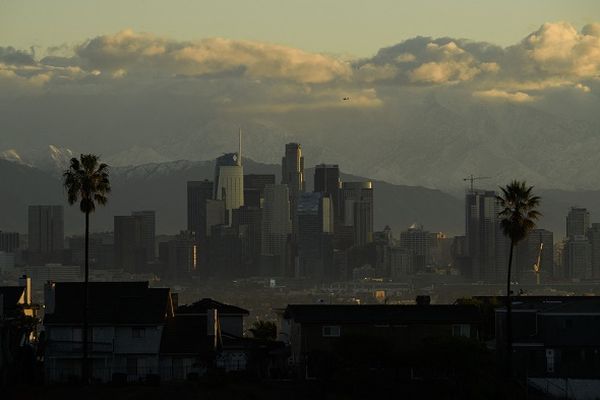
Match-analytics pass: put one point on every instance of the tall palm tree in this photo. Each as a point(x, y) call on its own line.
point(517, 218)
point(86, 181)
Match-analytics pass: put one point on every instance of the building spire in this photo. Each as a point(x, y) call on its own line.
point(240, 147)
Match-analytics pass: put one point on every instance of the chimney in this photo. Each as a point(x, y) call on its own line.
point(212, 324)
point(423, 300)
point(25, 282)
point(49, 297)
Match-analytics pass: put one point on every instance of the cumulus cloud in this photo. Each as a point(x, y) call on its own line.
point(128, 50)
point(495, 94)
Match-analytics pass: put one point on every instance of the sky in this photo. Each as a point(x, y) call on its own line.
point(418, 93)
point(354, 27)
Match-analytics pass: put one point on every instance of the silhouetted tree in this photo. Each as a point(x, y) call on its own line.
point(266, 330)
point(518, 217)
point(86, 181)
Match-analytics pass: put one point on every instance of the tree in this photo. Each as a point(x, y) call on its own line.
point(266, 330)
point(518, 218)
point(86, 181)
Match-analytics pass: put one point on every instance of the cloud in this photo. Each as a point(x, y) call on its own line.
point(142, 52)
point(495, 94)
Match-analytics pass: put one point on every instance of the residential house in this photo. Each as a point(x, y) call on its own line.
point(126, 323)
point(320, 333)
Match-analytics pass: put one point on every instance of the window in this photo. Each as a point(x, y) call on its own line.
point(461, 330)
point(132, 366)
point(138, 333)
point(331, 331)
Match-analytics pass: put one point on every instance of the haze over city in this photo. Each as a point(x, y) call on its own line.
point(243, 199)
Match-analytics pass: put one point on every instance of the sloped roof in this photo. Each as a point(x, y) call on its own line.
point(201, 306)
point(382, 313)
point(11, 296)
point(110, 303)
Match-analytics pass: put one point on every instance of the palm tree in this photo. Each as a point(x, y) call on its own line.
point(86, 181)
point(518, 217)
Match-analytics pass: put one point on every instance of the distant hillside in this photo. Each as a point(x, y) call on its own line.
point(162, 187)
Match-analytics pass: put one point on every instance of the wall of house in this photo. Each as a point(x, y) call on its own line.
point(127, 341)
point(232, 324)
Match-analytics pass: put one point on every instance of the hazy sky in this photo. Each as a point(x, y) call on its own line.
point(355, 27)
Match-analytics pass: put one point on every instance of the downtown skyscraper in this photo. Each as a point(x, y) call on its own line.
point(45, 234)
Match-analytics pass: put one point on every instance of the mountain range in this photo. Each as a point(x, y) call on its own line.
point(162, 187)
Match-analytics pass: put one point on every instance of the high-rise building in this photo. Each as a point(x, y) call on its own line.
point(198, 192)
point(215, 215)
point(418, 243)
point(254, 188)
point(578, 222)
point(276, 227)
point(45, 234)
point(356, 207)
point(179, 256)
point(594, 239)
point(486, 245)
point(130, 254)
point(292, 169)
point(327, 181)
point(9, 241)
point(315, 235)
point(247, 221)
point(577, 258)
point(229, 182)
point(148, 232)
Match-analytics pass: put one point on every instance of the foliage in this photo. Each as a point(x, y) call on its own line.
point(87, 180)
point(518, 214)
point(265, 330)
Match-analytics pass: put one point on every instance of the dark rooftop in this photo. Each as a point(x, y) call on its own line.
point(11, 297)
point(111, 303)
point(201, 306)
point(382, 313)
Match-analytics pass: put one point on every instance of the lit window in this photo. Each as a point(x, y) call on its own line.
point(331, 331)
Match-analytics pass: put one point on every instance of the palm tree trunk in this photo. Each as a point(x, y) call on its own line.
point(84, 364)
point(509, 315)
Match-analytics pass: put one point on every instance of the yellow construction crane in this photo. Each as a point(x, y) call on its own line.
point(538, 265)
point(471, 178)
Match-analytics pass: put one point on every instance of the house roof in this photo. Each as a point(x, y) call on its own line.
point(11, 297)
point(201, 306)
point(382, 313)
point(110, 303)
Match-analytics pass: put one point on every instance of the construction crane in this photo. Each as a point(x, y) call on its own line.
point(471, 178)
point(538, 265)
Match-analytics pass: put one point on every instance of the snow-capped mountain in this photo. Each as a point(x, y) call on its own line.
point(51, 158)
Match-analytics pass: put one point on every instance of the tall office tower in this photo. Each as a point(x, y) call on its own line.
point(9, 241)
point(229, 181)
point(247, 221)
point(276, 226)
point(254, 188)
point(292, 169)
point(539, 243)
point(46, 234)
point(315, 236)
point(179, 256)
point(130, 254)
point(356, 206)
point(215, 215)
point(198, 192)
point(327, 181)
point(594, 239)
point(147, 232)
point(418, 243)
point(578, 221)
point(487, 247)
point(577, 258)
